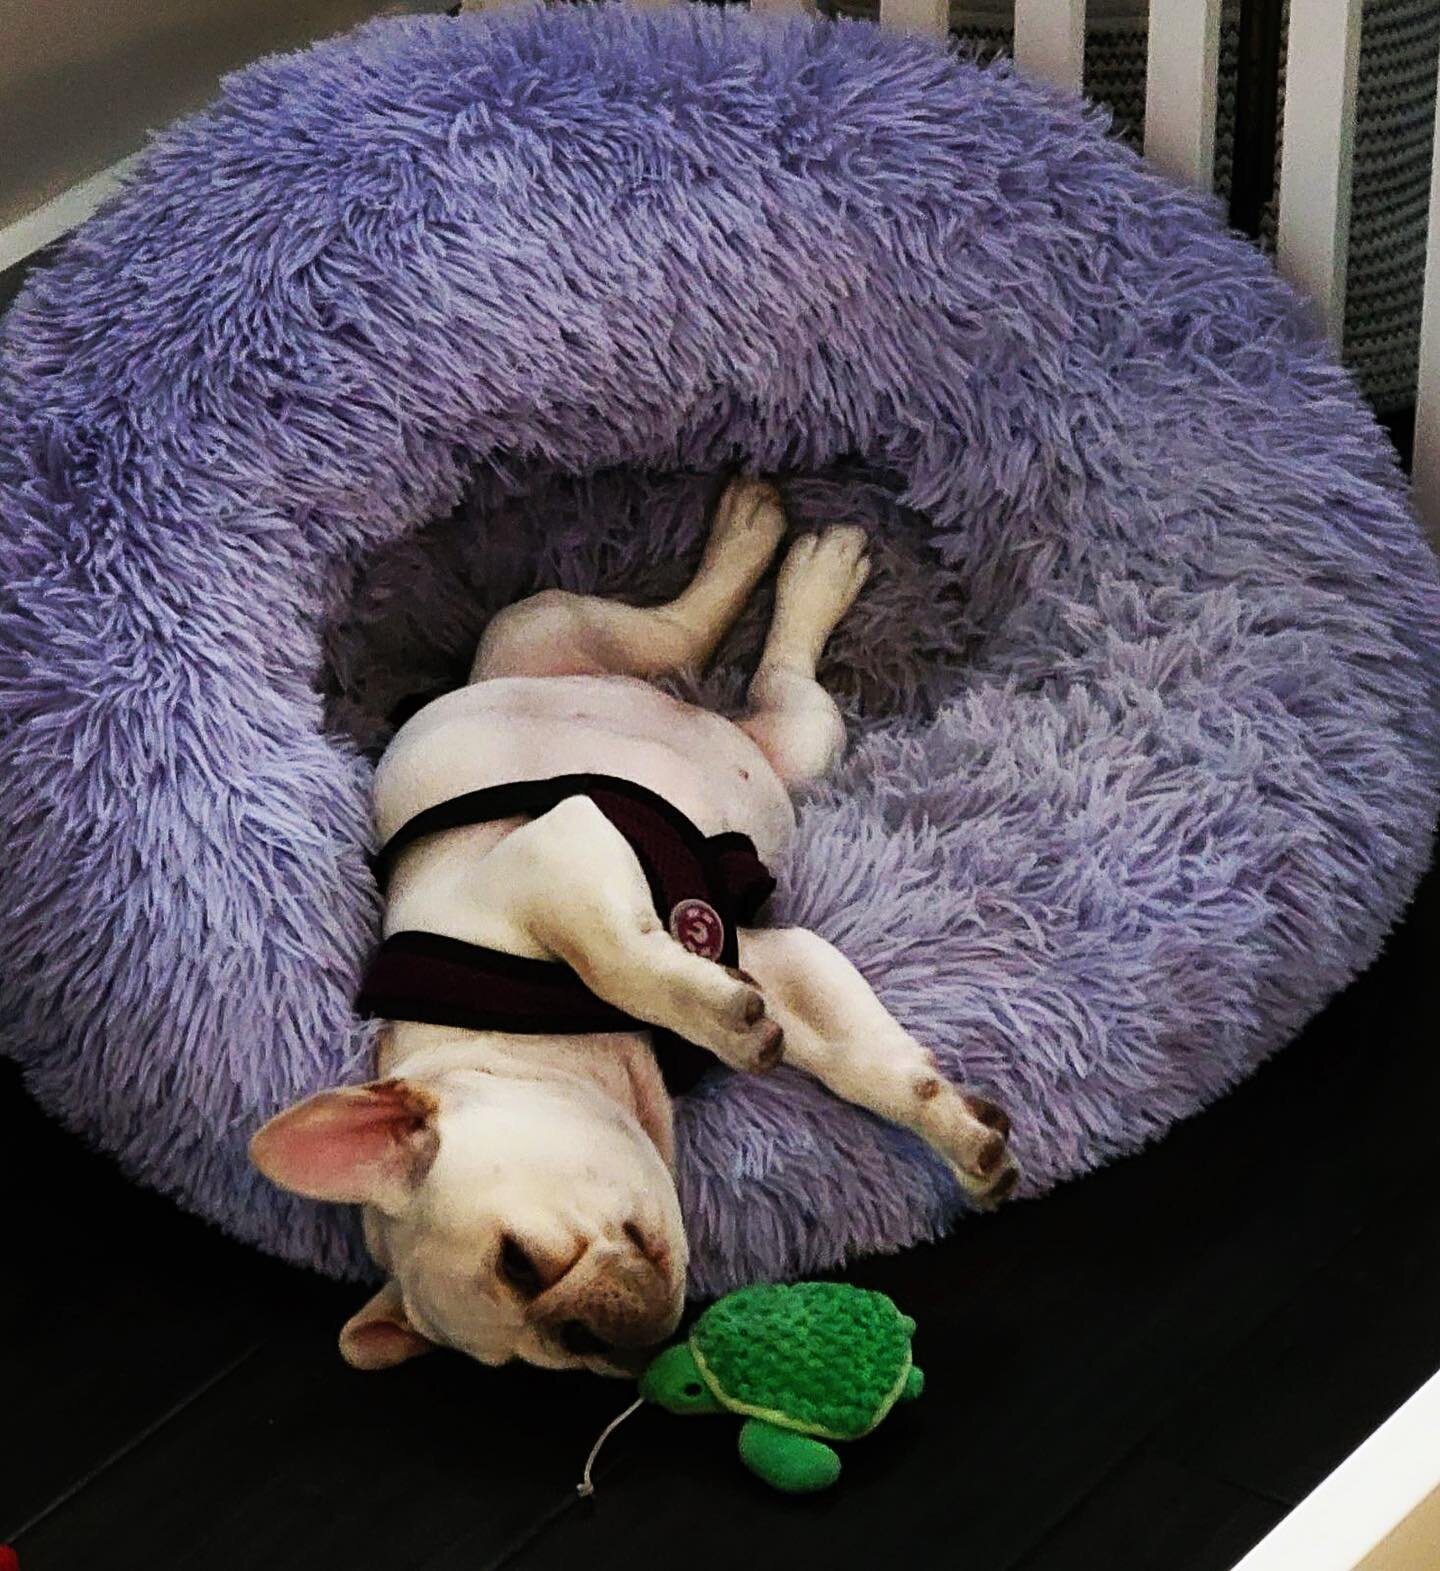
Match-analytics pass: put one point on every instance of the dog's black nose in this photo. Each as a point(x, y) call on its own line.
point(576, 1337)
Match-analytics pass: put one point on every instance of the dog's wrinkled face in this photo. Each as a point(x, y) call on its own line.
point(517, 1218)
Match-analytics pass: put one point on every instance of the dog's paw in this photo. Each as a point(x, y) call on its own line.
point(821, 576)
point(749, 520)
point(765, 1046)
point(747, 1038)
point(973, 1135)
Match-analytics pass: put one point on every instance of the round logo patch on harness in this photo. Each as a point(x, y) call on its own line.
point(697, 925)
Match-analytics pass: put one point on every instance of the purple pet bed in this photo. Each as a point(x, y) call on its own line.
point(1143, 690)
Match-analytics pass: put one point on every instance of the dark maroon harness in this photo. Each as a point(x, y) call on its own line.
point(705, 887)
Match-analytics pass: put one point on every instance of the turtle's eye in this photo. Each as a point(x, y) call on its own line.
point(692, 1388)
point(518, 1269)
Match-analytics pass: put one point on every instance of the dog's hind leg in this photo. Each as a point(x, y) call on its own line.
point(792, 719)
point(556, 633)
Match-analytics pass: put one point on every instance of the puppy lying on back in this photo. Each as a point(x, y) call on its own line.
point(574, 860)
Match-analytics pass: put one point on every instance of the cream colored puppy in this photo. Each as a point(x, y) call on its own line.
point(518, 1188)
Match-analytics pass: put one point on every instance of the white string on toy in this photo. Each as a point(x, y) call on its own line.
point(585, 1488)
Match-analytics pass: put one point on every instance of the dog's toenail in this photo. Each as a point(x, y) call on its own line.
point(992, 1153)
point(1005, 1184)
point(989, 1114)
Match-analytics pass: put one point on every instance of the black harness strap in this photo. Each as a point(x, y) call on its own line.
point(704, 889)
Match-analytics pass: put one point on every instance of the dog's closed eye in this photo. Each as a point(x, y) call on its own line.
point(518, 1269)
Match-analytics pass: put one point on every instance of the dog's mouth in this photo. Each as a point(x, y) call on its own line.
point(633, 1361)
point(579, 1341)
point(577, 1338)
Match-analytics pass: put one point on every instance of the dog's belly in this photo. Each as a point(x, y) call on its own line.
point(529, 728)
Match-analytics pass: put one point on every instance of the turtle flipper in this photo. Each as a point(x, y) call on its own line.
point(789, 1461)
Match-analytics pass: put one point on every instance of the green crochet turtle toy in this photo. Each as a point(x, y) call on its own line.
point(802, 1364)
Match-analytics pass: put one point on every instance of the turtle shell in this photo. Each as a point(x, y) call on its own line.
point(821, 1357)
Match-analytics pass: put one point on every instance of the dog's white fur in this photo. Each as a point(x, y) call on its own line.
point(518, 1190)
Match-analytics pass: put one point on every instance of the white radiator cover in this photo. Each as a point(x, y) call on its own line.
point(1399, 48)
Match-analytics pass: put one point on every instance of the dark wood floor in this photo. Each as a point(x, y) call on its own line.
point(1140, 1373)
point(1143, 1370)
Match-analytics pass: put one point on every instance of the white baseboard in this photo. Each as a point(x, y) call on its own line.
point(1378, 1511)
point(60, 215)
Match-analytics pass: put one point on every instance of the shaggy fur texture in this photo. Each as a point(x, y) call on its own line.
point(1143, 690)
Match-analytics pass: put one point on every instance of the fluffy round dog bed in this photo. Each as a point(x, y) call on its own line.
point(1143, 690)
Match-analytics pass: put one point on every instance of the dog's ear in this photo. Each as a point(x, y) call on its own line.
point(366, 1145)
point(380, 1335)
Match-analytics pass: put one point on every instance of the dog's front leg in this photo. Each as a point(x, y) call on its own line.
point(838, 1030)
point(575, 885)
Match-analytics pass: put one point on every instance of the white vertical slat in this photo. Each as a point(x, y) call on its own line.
point(1322, 59)
point(1181, 75)
point(928, 17)
point(794, 7)
point(1427, 412)
point(1050, 40)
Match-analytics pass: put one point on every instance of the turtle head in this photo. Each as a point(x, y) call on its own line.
point(674, 1382)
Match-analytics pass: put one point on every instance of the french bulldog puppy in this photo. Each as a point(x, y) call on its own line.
point(518, 1186)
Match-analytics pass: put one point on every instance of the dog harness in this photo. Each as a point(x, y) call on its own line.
point(705, 887)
